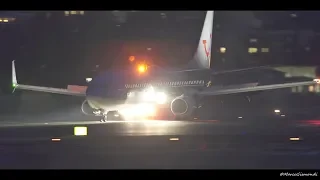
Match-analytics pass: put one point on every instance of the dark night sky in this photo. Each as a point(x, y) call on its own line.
point(48, 45)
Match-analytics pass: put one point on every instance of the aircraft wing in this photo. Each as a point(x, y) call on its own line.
point(70, 90)
point(239, 70)
point(213, 91)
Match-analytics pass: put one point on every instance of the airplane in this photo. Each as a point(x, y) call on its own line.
point(114, 94)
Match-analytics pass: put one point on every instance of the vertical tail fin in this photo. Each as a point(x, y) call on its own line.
point(14, 77)
point(202, 57)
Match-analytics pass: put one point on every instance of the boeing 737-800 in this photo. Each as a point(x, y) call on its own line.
point(111, 93)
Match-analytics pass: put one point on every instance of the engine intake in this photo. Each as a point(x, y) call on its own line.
point(86, 109)
point(182, 106)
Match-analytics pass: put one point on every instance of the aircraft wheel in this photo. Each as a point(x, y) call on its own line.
point(103, 118)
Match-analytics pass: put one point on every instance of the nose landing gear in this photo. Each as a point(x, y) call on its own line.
point(103, 118)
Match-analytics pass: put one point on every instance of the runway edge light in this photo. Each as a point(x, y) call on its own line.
point(174, 139)
point(80, 131)
point(295, 139)
point(55, 139)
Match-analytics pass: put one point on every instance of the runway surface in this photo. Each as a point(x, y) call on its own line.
point(169, 127)
point(247, 143)
point(210, 144)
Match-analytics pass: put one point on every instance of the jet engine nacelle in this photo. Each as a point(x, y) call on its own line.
point(183, 106)
point(86, 109)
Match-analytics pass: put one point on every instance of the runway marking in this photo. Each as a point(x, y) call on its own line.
point(128, 122)
point(212, 121)
point(17, 124)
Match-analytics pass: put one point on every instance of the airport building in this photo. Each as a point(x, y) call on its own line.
point(268, 38)
point(271, 47)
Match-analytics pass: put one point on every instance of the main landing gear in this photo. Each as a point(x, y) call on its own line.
point(111, 116)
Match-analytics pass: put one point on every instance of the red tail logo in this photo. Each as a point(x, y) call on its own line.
point(204, 42)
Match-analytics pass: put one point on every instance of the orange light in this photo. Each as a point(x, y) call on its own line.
point(131, 58)
point(142, 68)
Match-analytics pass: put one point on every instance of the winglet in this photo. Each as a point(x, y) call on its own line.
point(14, 77)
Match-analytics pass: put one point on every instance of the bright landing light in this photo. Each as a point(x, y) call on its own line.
point(150, 95)
point(139, 110)
point(161, 98)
